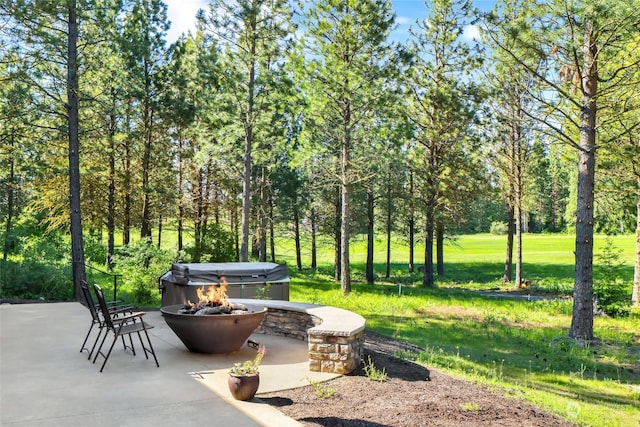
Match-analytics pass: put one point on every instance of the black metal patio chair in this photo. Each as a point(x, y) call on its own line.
point(95, 318)
point(120, 326)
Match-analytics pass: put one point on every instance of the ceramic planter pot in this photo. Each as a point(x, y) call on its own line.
point(243, 387)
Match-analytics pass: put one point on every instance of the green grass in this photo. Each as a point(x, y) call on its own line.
point(473, 260)
point(518, 347)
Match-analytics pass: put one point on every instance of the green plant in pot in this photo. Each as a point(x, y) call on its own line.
point(244, 378)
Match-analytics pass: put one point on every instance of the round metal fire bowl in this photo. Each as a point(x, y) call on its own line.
point(219, 334)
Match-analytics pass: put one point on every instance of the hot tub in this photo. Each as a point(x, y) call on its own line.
point(262, 280)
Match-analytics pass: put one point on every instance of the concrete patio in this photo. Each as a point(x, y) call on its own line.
point(46, 381)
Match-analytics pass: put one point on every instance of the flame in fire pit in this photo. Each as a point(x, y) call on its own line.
point(215, 296)
point(213, 301)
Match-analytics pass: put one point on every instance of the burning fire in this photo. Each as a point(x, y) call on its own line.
point(213, 301)
point(215, 296)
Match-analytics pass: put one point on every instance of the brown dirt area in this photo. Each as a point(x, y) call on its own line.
point(411, 396)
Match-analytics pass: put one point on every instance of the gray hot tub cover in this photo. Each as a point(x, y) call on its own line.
point(231, 272)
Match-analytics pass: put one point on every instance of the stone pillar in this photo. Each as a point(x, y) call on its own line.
point(335, 353)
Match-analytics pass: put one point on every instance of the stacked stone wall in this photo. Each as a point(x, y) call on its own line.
point(336, 351)
point(287, 323)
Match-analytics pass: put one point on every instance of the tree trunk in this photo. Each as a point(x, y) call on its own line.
point(216, 194)
point(440, 248)
point(411, 222)
point(246, 198)
point(635, 296)
point(582, 317)
point(236, 231)
point(508, 263)
point(314, 248)
point(111, 196)
point(126, 208)
point(518, 230)
point(145, 228)
point(10, 197)
point(248, 161)
point(387, 272)
point(427, 277)
point(198, 200)
point(272, 243)
point(345, 267)
point(209, 186)
point(262, 217)
point(255, 252)
point(159, 243)
point(296, 226)
point(370, 223)
point(77, 244)
point(338, 238)
point(518, 212)
point(180, 190)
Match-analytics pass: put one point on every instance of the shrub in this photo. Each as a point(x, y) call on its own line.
point(35, 279)
point(47, 248)
point(141, 265)
point(498, 228)
point(216, 245)
point(41, 271)
point(612, 293)
point(94, 250)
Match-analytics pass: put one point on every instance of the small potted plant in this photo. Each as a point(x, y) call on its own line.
point(244, 378)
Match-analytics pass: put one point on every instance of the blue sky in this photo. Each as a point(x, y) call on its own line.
point(182, 14)
point(408, 11)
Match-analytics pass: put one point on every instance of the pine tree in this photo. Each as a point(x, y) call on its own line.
point(349, 63)
point(252, 35)
point(565, 45)
point(442, 108)
point(142, 44)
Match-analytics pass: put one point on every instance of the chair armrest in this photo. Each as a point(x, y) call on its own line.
point(128, 317)
point(121, 309)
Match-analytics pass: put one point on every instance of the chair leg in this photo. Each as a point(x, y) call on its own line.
point(133, 349)
point(151, 350)
point(124, 344)
point(99, 350)
point(142, 344)
point(115, 338)
point(95, 343)
point(85, 340)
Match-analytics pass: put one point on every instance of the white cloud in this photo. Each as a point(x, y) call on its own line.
point(402, 20)
point(182, 14)
point(471, 32)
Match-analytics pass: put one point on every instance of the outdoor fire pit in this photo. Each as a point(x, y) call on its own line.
point(214, 324)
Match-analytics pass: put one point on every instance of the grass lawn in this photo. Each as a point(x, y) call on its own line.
point(517, 346)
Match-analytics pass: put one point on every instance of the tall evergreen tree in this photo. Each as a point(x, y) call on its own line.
point(513, 134)
point(251, 35)
point(142, 44)
point(620, 163)
point(104, 88)
point(349, 63)
point(46, 39)
point(188, 100)
point(565, 45)
point(17, 151)
point(442, 107)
